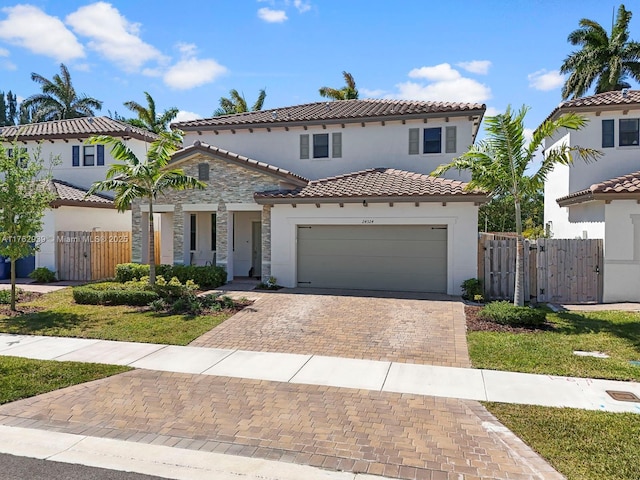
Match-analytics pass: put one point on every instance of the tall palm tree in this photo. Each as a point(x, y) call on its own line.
point(147, 116)
point(133, 178)
point(348, 92)
point(59, 99)
point(236, 103)
point(606, 60)
point(499, 165)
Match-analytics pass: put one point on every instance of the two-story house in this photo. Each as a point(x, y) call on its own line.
point(327, 194)
point(600, 199)
point(76, 165)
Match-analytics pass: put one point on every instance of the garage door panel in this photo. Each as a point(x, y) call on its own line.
point(409, 258)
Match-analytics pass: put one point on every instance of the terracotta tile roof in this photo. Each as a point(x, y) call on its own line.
point(74, 128)
point(376, 184)
point(206, 149)
point(71, 195)
point(624, 187)
point(617, 100)
point(337, 111)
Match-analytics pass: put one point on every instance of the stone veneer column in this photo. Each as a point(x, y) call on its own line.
point(266, 243)
point(136, 232)
point(222, 218)
point(178, 235)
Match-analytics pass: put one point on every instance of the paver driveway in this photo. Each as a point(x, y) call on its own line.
point(408, 328)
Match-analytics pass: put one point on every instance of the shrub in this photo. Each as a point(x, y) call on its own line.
point(43, 275)
point(471, 288)
point(91, 296)
point(272, 284)
point(204, 276)
point(5, 296)
point(174, 288)
point(126, 272)
point(506, 313)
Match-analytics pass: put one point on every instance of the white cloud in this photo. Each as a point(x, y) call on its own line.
point(272, 16)
point(4, 52)
point(491, 112)
point(192, 72)
point(372, 93)
point(113, 36)
point(185, 116)
point(545, 80)
point(31, 28)
point(458, 90)
point(480, 67)
point(302, 6)
point(437, 73)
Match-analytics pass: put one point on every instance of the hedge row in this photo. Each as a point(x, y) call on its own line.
point(205, 277)
point(90, 296)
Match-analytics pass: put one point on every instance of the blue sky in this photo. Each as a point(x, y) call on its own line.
point(188, 54)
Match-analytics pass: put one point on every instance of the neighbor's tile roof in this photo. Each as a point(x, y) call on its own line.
point(381, 184)
point(74, 128)
point(71, 195)
point(613, 100)
point(342, 110)
point(625, 186)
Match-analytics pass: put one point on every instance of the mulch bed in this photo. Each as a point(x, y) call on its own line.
point(474, 324)
point(21, 298)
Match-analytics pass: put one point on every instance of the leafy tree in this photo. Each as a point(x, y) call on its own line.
point(24, 197)
point(131, 178)
point(147, 116)
point(8, 108)
point(59, 99)
point(497, 214)
point(348, 92)
point(606, 60)
point(498, 165)
point(236, 103)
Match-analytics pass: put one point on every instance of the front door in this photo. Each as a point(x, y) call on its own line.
point(256, 248)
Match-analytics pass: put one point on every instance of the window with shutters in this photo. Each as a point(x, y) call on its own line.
point(432, 140)
point(414, 141)
point(203, 172)
point(21, 156)
point(88, 156)
point(321, 145)
point(192, 231)
point(336, 145)
point(92, 155)
point(304, 146)
point(608, 133)
point(629, 129)
point(450, 140)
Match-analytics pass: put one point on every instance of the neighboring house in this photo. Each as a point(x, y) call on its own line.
point(328, 194)
point(78, 166)
point(601, 199)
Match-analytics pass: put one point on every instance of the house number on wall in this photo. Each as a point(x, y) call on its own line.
point(367, 220)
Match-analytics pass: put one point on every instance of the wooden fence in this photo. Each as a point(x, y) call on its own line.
point(84, 256)
point(559, 271)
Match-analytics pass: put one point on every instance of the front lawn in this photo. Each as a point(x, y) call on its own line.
point(22, 377)
point(58, 315)
point(550, 351)
point(581, 444)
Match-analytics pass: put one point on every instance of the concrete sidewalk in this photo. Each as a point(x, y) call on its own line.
point(439, 381)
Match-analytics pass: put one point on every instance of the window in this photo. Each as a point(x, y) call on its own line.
point(214, 229)
point(450, 140)
point(192, 232)
point(414, 141)
point(629, 129)
point(91, 155)
point(608, 133)
point(321, 145)
point(336, 145)
point(21, 156)
point(203, 172)
point(304, 146)
point(432, 140)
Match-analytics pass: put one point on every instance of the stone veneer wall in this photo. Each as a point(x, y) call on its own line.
point(228, 183)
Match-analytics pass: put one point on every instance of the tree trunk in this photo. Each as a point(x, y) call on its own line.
point(518, 294)
point(13, 285)
point(152, 245)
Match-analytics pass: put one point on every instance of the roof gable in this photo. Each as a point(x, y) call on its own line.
point(617, 100)
point(71, 195)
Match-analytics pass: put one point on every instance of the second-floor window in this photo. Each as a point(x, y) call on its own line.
point(629, 129)
point(91, 155)
point(608, 133)
point(320, 144)
point(432, 140)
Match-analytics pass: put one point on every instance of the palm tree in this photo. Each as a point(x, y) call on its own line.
point(348, 92)
point(237, 104)
point(59, 99)
point(608, 61)
point(147, 116)
point(145, 179)
point(499, 165)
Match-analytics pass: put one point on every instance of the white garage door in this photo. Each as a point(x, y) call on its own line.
point(368, 257)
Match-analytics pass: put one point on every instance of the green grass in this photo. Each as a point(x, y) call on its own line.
point(581, 444)
point(63, 317)
point(551, 352)
point(22, 377)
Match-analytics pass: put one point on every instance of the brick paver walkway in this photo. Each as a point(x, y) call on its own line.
point(408, 330)
point(398, 435)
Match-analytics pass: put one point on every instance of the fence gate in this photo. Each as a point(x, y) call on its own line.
point(85, 256)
